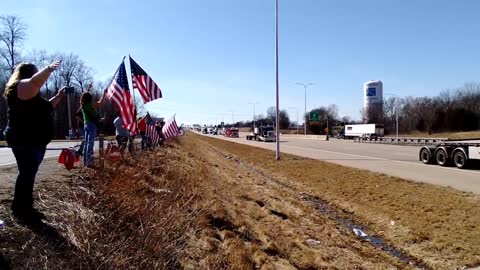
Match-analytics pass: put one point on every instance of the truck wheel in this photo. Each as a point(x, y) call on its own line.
point(460, 159)
point(441, 157)
point(425, 156)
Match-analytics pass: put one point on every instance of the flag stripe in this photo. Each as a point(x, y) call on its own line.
point(170, 130)
point(119, 93)
point(148, 89)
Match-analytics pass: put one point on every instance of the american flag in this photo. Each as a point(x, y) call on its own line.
point(170, 129)
point(148, 89)
point(153, 134)
point(119, 93)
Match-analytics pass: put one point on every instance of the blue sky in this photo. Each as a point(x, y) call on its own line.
point(212, 57)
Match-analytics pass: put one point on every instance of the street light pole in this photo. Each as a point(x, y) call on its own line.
point(253, 103)
point(305, 85)
point(277, 140)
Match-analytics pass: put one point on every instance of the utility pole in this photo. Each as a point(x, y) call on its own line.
point(253, 103)
point(305, 85)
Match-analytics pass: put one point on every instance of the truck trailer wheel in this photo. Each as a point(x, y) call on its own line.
point(441, 157)
point(426, 156)
point(460, 159)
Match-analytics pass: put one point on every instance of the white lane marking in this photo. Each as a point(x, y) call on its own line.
point(384, 159)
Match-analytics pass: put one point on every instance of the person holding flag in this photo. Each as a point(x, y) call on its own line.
point(91, 122)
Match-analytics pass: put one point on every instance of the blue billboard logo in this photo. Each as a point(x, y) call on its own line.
point(371, 92)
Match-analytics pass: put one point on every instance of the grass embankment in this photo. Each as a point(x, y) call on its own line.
point(140, 213)
point(438, 225)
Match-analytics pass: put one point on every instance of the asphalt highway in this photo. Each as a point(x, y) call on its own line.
point(393, 160)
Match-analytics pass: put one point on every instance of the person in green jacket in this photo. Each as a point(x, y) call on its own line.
point(91, 120)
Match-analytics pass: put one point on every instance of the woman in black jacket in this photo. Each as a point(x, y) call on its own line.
point(27, 111)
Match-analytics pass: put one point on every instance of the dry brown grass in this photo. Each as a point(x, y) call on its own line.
point(268, 226)
point(439, 225)
point(139, 213)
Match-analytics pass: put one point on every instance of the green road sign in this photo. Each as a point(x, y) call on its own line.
point(222, 124)
point(314, 117)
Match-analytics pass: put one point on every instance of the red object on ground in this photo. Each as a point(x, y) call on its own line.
point(113, 152)
point(67, 158)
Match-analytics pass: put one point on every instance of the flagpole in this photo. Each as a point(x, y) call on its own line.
point(133, 91)
point(277, 111)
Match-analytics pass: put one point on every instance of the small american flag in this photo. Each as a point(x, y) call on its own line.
point(170, 129)
point(153, 134)
point(148, 89)
point(119, 93)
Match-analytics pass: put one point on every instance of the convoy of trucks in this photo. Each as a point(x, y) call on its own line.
point(461, 154)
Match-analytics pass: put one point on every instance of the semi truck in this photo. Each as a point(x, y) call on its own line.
point(262, 134)
point(231, 132)
point(461, 153)
point(354, 131)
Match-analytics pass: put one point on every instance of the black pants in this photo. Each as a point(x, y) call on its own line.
point(28, 161)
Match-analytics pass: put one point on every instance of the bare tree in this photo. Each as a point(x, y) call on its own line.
point(12, 35)
point(82, 76)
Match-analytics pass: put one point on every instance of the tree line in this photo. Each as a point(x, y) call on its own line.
point(451, 110)
point(73, 72)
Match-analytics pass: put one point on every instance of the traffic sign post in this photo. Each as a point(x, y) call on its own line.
point(314, 117)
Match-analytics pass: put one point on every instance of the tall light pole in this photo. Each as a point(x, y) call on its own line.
point(296, 109)
point(277, 140)
point(395, 106)
point(253, 103)
point(305, 85)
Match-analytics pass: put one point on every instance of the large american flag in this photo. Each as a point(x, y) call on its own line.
point(170, 129)
point(148, 89)
point(153, 134)
point(119, 93)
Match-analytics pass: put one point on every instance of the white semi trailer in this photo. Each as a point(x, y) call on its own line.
point(355, 131)
point(460, 153)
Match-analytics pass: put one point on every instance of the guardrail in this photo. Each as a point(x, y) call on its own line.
point(402, 140)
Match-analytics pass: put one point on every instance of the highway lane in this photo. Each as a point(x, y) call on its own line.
point(7, 158)
point(393, 160)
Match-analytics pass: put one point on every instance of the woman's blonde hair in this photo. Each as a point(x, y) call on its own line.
point(22, 71)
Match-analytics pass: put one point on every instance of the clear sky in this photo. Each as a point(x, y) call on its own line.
point(212, 57)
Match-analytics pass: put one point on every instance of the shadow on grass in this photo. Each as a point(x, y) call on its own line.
point(4, 263)
point(48, 233)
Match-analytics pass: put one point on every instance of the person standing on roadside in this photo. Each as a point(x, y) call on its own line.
point(142, 128)
point(91, 122)
point(28, 110)
point(122, 135)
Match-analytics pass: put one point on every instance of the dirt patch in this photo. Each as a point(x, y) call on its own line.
point(439, 226)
